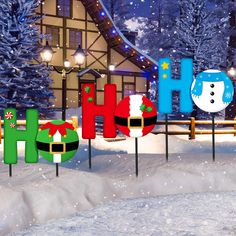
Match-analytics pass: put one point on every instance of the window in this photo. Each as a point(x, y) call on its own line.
point(54, 35)
point(64, 8)
point(129, 89)
point(75, 38)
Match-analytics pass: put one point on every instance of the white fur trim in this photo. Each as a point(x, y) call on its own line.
point(57, 157)
point(135, 102)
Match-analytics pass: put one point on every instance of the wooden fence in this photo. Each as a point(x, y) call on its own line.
point(73, 121)
point(193, 131)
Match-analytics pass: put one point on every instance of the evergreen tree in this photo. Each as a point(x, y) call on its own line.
point(159, 31)
point(119, 11)
point(24, 83)
point(201, 35)
point(158, 34)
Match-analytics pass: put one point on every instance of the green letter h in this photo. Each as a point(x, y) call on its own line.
point(12, 135)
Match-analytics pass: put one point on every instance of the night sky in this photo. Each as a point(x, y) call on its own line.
point(144, 7)
point(140, 7)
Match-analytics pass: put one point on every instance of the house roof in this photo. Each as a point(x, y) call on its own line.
point(89, 71)
point(117, 40)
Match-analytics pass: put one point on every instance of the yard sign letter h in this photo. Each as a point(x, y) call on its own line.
point(90, 110)
point(167, 85)
point(12, 135)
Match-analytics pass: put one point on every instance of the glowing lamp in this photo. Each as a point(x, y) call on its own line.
point(112, 67)
point(47, 53)
point(67, 63)
point(79, 56)
point(232, 72)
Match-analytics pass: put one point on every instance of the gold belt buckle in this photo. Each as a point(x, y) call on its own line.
point(57, 143)
point(136, 118)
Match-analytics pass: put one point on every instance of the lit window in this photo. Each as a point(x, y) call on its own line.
point(54, 35)
point(75, 38)
point(64, 8)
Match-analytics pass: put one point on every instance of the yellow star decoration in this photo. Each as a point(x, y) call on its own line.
point(165, 66)
point(165, 76)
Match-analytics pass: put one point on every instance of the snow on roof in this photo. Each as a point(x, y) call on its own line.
point(124, 38)
point(89, 71)
point(118, 41)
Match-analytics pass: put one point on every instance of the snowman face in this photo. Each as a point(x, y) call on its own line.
point(211, 97)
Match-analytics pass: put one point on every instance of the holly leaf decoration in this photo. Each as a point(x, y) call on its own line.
point(90, 99)
point(87, 89)
point(149, 109)
point(143, 107)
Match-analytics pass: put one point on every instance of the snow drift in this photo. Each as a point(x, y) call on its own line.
point(34, 195)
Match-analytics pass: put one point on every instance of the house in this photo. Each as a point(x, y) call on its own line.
point(108, 53)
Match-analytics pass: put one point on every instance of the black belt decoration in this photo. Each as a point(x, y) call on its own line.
point(57, 147)
point(135, 122)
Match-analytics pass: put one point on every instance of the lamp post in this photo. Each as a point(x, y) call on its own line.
point(79, 57)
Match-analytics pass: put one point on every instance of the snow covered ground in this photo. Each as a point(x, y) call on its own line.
point(35, 196)
point(190, 214)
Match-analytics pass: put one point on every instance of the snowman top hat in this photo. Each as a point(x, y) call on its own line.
point(214, 76)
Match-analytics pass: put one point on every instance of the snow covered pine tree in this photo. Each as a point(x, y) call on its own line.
point(201, 36)
point(119, 11)
point(24, 83)
point(159, 30)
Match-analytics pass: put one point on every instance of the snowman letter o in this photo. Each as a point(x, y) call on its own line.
point(212, 91)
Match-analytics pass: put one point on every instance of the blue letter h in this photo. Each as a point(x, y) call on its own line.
point(167, 85)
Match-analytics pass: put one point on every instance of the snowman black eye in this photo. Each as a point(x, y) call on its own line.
point(212, 85)
point(212, 101)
